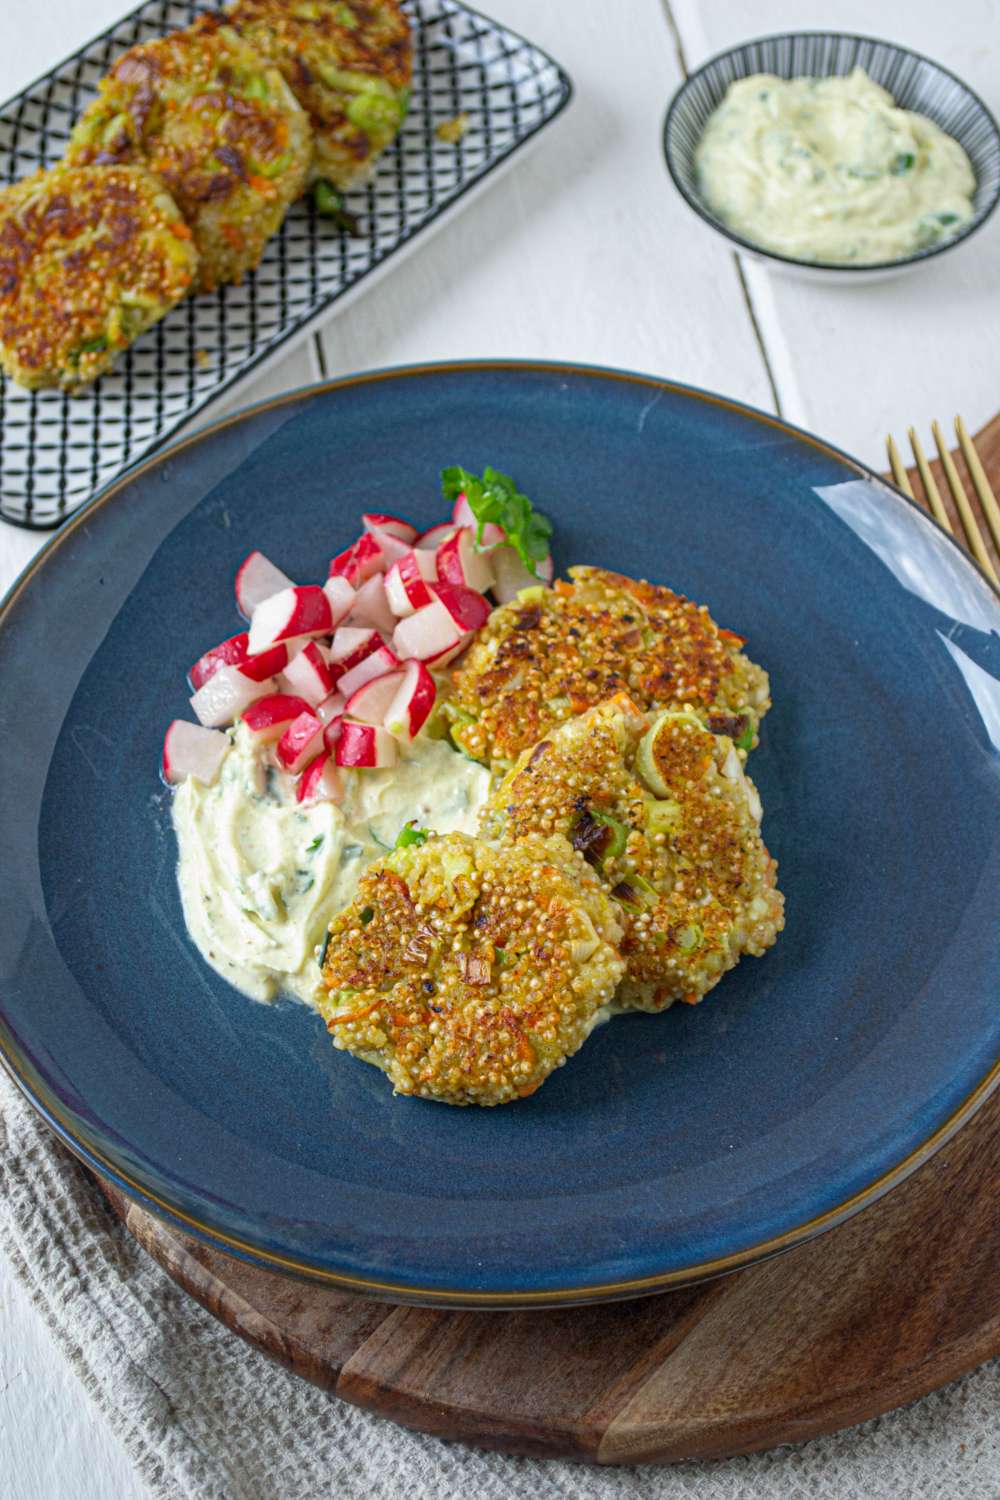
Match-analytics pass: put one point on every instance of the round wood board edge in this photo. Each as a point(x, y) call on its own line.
point(878, 1312)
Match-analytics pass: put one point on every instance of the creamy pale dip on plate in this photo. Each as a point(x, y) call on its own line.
point(828, 169)
point(261, 875)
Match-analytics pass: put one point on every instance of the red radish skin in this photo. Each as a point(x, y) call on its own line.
point(267, 664)
point(427, 634)
point(269, 717)
point(340, 596)
point(376, 665)
point(358, 562)
point(331, 732)
point(226, 654)
point(406, 582)
point(301, 610)
point(365, 745)
point(321, 781)
point(309, 675)
point(371, 607)
point(459, 563)
point(371, 701)
point(467, 609)
point(226, 694)
point(300, 742)
point(351, 644)
point(431, 540)
point(192, 750)
point(394, 525)
point(257, 579)
point(414, 698)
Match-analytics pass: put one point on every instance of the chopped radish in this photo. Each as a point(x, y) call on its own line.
point(301, 610)
point(426, 634)
point(443, 658)
point(191, 750)
point(268, 718)
point(267, 663)
point(395, 525)
point(411, 704)
point(331, 708)
point(431, 540)
point(227, 653)
point(365, 745)
point(546, 568)
point(300, 741)
point(467, 609)
point(512, 575)
point(340, 596)
point(225, 695)
point(320, 781)
point(406, 582)
point(458, 562)
point(351, 644)
point(331, 732)
point(392, 547)
point(359, 561)
point(309, 675)
point(376, 665)
point(371, 607)
point(256, 580)
point(462, 515)
point(372, 699)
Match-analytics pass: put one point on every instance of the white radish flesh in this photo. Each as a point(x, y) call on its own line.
point(191, 750)
point(371, 701)
point(511, 575)
point(414, 698)
point(308, 674)
point(340, 596)
point(376, 665)
point(351, 644)
point(426, 634)
point(459, 563)
point(394, 525)
point(257, 579)
point(321, 781)
point(371, 606)
point(301, 610)
point(225, 695)
point(300, 742)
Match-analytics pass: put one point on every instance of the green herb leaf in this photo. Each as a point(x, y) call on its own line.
point(745, 741)
point(495, 498)
point(366, 915)
point(321, 956)
point(315, 843)
point(409, 835)
point(902, 163)
point(330, 204)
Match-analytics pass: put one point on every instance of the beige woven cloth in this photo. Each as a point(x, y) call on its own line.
point(203, 1417)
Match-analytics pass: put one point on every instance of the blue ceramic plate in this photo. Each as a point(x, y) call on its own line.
point(674, 1146)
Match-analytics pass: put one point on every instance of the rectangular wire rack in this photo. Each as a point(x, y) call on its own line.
point(56, 450)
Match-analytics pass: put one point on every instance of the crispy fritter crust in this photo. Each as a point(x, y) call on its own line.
point(89, 259)
point(468, 973)
point(349, 65)
point(540, 660)
point(222, 128)
point(694, 881)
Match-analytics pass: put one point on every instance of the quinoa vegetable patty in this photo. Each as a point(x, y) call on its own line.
point(89, 259)
point(218, 124)
point(349, 65)
point(553, 653)
point(468, 973)
point(662, 810)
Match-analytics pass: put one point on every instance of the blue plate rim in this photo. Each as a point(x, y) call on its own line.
point(697, 206)
point(40, 1097)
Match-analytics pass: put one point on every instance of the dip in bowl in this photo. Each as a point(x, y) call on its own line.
point(887, 236)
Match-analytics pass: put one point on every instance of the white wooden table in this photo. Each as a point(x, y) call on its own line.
point(583, 252)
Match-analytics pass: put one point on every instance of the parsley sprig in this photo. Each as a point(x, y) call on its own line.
point(495, 497)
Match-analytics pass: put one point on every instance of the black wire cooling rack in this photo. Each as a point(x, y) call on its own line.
point(56, 449)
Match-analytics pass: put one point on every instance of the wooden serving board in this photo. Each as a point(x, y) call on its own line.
point(882, 1310)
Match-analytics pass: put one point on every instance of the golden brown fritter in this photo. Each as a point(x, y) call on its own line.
point(553, 653)
point(89, 259)
point(468, 973)
point(349, 65)
point(662, 810)
point(222, 128)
